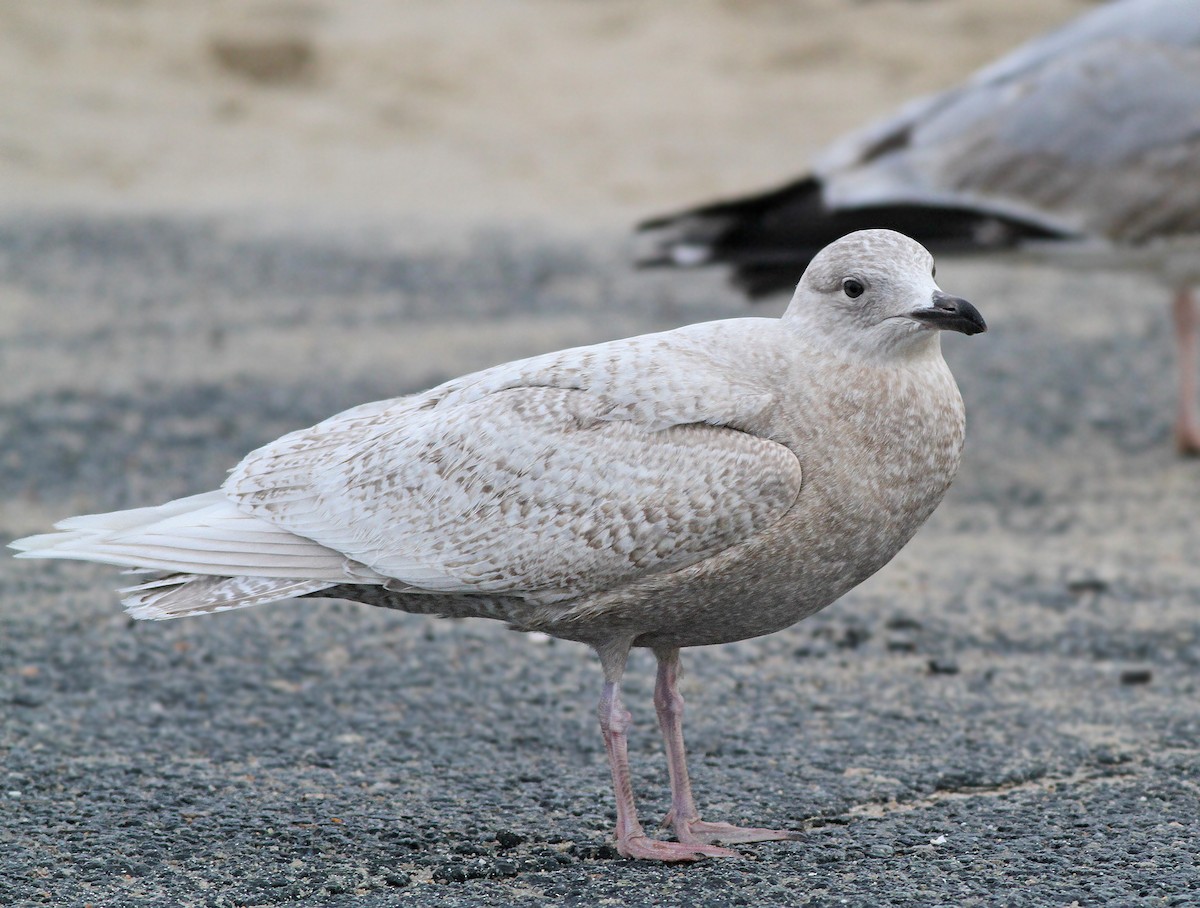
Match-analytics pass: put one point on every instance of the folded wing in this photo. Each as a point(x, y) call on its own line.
point(533, 490)
point(545, 479)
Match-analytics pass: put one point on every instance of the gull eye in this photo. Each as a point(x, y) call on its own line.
point(852, 288)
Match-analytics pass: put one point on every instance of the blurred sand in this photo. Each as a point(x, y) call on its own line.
point(454, 112)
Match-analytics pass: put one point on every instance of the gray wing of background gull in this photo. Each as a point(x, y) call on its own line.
point(1083, 143)
point(1100, 139)
point(1088, 134)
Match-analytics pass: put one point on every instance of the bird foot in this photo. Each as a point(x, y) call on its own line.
point(699, 832)
point(644, 848)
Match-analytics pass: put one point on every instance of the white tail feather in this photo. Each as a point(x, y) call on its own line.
point(184, 595)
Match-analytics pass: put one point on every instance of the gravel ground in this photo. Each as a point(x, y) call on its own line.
point(1006, 715)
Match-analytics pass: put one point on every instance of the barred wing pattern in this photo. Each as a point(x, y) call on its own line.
point(489, 485)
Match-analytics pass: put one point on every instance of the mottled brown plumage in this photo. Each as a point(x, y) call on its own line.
point(703, 485)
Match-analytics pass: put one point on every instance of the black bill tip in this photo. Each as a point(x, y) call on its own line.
point(951, 313)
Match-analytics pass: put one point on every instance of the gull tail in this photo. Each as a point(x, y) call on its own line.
point(769, 238)
point(184, 595)
point(208, 556)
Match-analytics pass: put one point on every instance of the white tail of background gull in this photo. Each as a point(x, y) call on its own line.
point(703, 485)
point(1084, 142)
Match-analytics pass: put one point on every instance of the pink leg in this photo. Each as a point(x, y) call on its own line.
point(1187, 424)
point(684, 817)
point(632, 841)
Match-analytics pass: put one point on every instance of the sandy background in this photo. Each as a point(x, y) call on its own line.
point(219, 222)
point(570, 112)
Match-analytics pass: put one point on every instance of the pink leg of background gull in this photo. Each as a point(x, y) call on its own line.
point(1187, 424)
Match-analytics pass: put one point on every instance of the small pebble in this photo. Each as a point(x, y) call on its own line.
point(508, 839)
point(1087, 585)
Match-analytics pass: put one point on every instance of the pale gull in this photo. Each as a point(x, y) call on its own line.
point(698, 486)
point(1082, 145)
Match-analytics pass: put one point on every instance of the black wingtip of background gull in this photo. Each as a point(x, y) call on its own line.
point(769, 238)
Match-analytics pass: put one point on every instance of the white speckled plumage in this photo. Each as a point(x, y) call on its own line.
point(702, 485)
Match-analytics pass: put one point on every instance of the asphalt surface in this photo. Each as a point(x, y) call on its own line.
point(1006, 715)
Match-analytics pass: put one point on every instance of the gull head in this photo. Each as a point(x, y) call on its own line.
point(873, 293)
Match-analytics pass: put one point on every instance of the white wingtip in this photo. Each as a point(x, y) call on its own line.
point(203, 534)
point(691, 255)
point(38, 546)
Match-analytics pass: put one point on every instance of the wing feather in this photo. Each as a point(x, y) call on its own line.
point(534, 480)
point(1094, 130)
